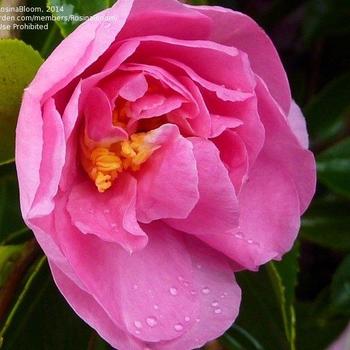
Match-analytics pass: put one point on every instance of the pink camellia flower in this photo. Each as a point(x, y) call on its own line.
point(158, 151)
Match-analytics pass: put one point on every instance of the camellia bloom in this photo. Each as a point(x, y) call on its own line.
point(158, 151)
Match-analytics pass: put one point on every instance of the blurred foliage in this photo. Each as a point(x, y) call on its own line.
point(76, 11)
point(18, 65)
point(302, 302)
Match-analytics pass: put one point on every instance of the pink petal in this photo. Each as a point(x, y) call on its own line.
point(222, 92)
point(297, 124)
point(134, 88)
point(233, 154)
point(218, 294)
point(80, 49)
point(236, 29)
point(111, 215)
point(269, 218)
point(219, 123)
point(283, 146)
point(99, 119)
point(229, 68)
point(92, 313)
point(166, 18)
point(217, 209)
point(167, 182)
point(251, 131)
point(129, 286)
point(53, 158)
point(29, 144)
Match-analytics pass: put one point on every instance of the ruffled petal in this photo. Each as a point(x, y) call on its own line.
point(167, 182)
point(236, 29)
point(110, 215)
point(217, 209)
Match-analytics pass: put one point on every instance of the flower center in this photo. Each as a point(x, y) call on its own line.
point(103, 163)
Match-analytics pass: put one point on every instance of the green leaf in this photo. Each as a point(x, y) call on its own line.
point(333, 167)
point(324, 18)
point(326, 112)
point(18, 65)
point(327, 223)
point(41, 319)
point(74, 12)
point(267, 311)
point(46, 40)
point(340, 289)
point(10, 213)
point(8, 255)
point(285, 273)
point(315, 329)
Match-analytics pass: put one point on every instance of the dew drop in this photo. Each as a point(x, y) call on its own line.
point(193, 292)
point(137, 331)
point(186, 284)
point(187, 319)
point(239, 235)
point(218, 311)
point(198, 320)
point(173, 291)
point(180, 278)
point(214, 303)
point(106, 211)
point(151, 321)
point(113, 225)
point(155, 307)
point(250, 241)
point(178, 327)
point(205, 290)
point(138, 324)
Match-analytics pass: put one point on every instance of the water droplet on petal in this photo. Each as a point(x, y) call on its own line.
point(180, 278)
point(250, 241)
point(198, 319)
point(187, 319)
point(155, 307)
point(138, 324)
point(178, 327)
point(193, 292)
point(113, 225)
point(214, 303)
point(217, 311)
point(199, 266)
point(137, 331)
point(151, 321)
point(173, 291)
point(186, 284)
point(106, 211)
point(135, 286)
point(205, 290)
point(239, 235)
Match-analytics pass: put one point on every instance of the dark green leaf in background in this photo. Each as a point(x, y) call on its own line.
point(76, 11)
point(327, 223)
point(328, 111)
point(340, 289)
point(333, 167)
point(267, 312)
point(10, 214)
point(41, 319)
point(18, 65)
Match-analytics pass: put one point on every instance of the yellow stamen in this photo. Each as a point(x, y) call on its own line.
point(104, 163)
